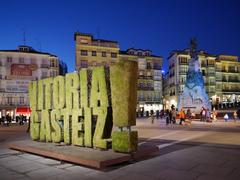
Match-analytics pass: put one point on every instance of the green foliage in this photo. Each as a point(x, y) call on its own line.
point(33, 95)
point(66, 125)
point(80, 109)
point(56, 133)
point(123, 78)
point(88, 127)
point(40, 97)
point(77, 128)
point(98, 139)
point(125, 141)
point(47, 84)
point(83, 88)
point(45, 130)
point(35, 126)
point(98, 96)
point(72, 93)
point(59, 92)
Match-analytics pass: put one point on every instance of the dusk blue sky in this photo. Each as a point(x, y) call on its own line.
point(158, 25)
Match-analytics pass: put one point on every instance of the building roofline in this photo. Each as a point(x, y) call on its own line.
point(29, 52)
point(125, 52)
point(93, 39)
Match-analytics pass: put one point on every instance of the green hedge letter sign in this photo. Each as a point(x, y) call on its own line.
point(82, 108)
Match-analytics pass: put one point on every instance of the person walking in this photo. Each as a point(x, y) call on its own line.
point(235, 116)
point(182, 116)
point(152, 117)
point(226, 117)
point(167, 116)
point(174, 115)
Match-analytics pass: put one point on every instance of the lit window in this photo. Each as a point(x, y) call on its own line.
point(21, 60)
point(94, 53)
point(113, 55)
point(9, 59)
point(21, 100)
point(84, 52)
point(84, 64)
point(104, 54)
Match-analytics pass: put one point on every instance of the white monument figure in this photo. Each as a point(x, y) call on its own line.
point(194, 95)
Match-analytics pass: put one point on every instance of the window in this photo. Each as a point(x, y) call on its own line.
point(84, 64)
point(139, 53)
point(113, 55)
point(9, 59)
point(33, 61)
point(44, 74)
point(104, 54)
point(84, 52)
point(9, 100)
point(21, 100)
point(149, 66)
point(21, 60)
point(94, 53)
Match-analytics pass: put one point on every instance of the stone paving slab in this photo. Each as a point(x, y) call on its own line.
point(84, 156)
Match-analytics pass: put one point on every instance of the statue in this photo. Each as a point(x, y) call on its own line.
point(194, 95)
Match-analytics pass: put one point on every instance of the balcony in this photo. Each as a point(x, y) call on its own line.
point(211, 74)
point(183, 72)
point(211, 65)
point(145, 88)
point(234, 80)
point(233, 71)
point(44, 66)
point(157, 67)
point(231, 90)
point(183, 63)
point(145, 77)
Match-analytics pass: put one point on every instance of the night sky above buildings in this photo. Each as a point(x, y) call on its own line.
point(158, 25)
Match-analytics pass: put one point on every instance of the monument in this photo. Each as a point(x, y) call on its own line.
point(194, 95)
point(94, 108)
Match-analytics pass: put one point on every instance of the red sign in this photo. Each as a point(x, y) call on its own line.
point(21, 70)
point(23, 110)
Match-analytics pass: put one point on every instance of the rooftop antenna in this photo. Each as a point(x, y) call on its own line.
point(24, 37)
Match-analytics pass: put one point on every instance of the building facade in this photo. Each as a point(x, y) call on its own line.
point(96, 52)
point(227, 80)
point(149, 78)
point(17, 69)
point(216, 71)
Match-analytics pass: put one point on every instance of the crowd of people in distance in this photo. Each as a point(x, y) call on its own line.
point(7, 120)
point(185, 117)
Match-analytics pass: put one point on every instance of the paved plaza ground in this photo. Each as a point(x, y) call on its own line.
point(199, 151)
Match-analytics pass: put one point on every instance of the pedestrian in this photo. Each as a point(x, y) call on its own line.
point(170, 116)
point(8, 119)
point(167, 117)
point(182, 116)
point(174, 115)
point(226, 117)
point(157, 114)
point(235, 116)
point(152, 117)
point(188, 115)
point(193, 115)
point(208, 115)
point(203, 114)
point(29, 121)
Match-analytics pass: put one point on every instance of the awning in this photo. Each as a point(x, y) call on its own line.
point(23, 110)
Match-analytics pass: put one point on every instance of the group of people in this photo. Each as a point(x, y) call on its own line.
point(7, 120)
point(185, 118)
point(171, 116)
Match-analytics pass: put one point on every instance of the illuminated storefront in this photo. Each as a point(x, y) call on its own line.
point(17, 69)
